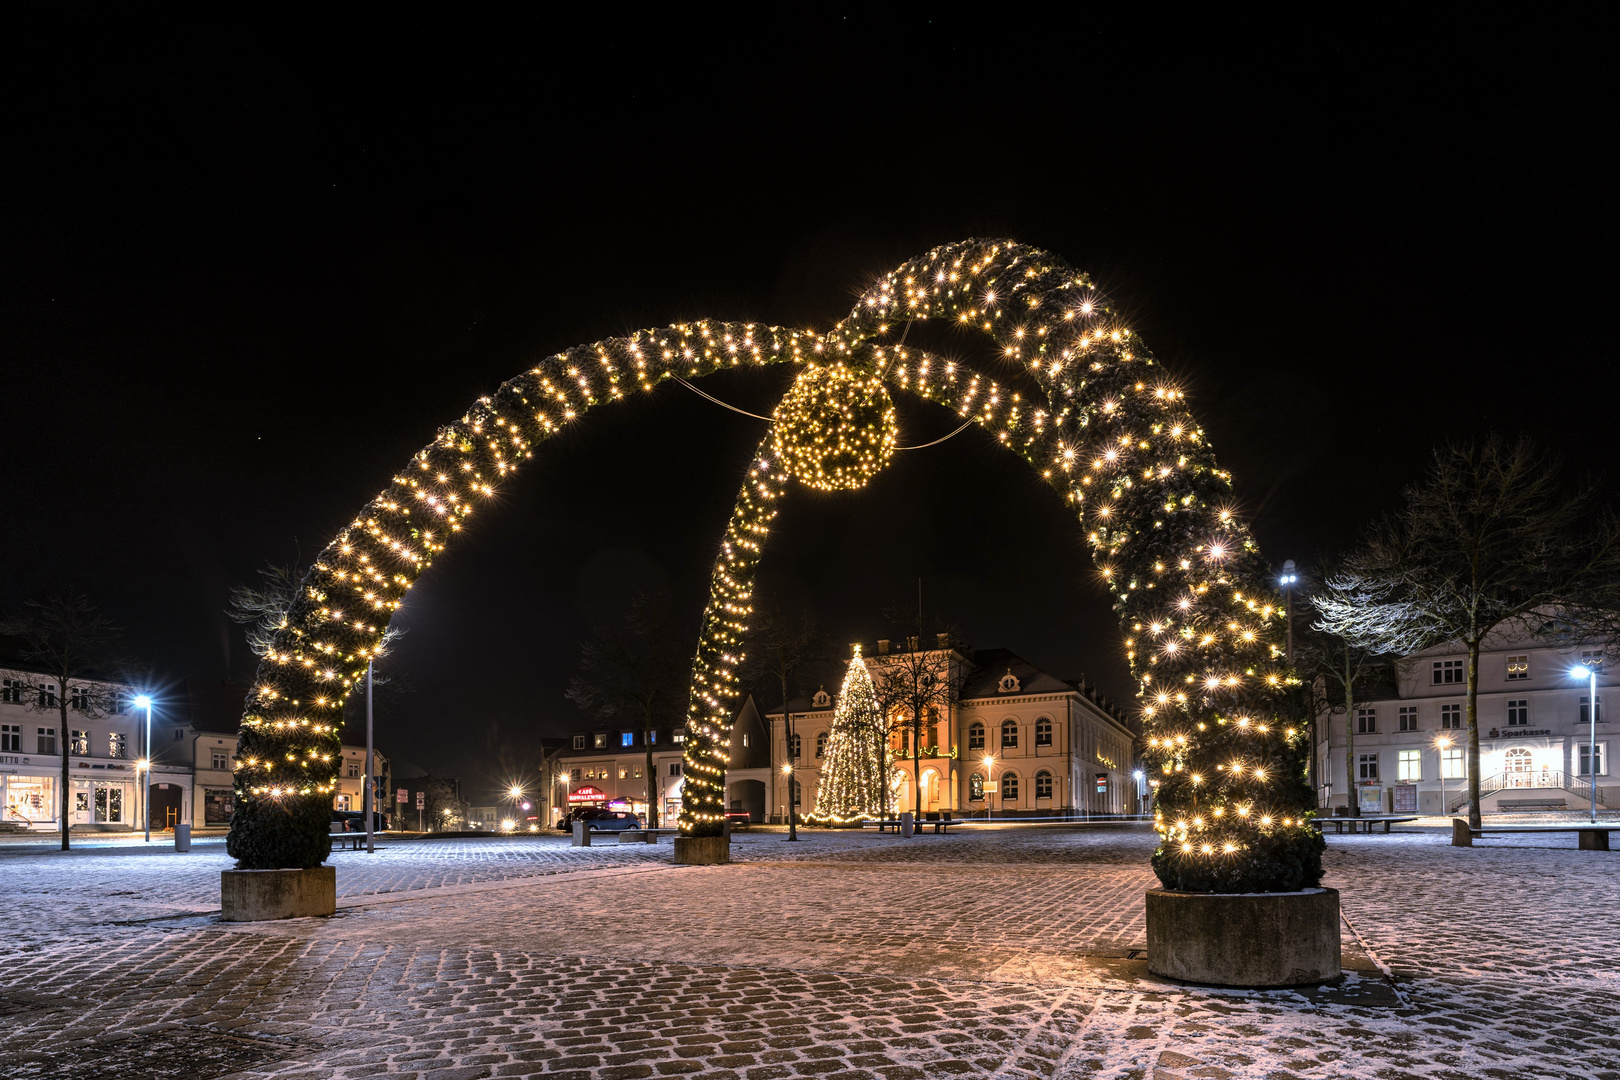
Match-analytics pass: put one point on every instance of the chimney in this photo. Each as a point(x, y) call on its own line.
point(883, 646)
point(944, 640)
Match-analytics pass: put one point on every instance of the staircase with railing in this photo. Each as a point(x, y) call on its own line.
point(1580, 788)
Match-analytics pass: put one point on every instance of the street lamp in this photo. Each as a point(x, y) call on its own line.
point(144, 701)
point(989, 781)
point(1289, 576)
point(1589, 671)
point(1442, 743)
point(1141, 789)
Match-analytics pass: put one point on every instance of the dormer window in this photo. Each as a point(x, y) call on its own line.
point(822, 700)
point(1009, 683)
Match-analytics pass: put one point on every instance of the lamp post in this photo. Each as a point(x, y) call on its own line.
point(1141, 789)
point(366, 799)
point(1289, 576)
point(989, 786)
point(1442, 743)
point(1589, 670)
point(144, 702)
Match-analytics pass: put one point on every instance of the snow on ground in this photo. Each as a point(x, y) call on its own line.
point(1009, 951)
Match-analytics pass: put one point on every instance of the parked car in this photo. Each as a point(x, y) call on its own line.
point(599, 820)
point(739, 819)
point(355, 821)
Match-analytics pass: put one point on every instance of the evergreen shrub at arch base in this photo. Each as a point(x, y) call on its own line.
point(1103, 425)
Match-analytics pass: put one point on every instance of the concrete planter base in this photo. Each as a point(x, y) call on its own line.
point(702, 850)
point(260, 895)
point(1250, 939)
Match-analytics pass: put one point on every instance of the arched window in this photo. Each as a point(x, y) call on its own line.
point(976, 736)
point(798, 746)
point(1043, 785)
point(821, 744)
point(1043, 731)
point(1009, 733)
point(1009, 787)
point(976, 787)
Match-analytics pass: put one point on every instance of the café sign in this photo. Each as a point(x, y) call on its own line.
point(586, 794)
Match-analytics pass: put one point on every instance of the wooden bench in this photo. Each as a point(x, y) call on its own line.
point(942, 825)
point(1591, 836)
point(354, 840)
point(1369, 820)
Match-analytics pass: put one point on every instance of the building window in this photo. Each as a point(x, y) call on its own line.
point(1451, 716)
point(47, 740)
point(1448, 671)
point(1009, 736)
point(1009, 787)
point(628, 738)
point(821, 744)
point(342, 802)
point(674, 768)
point(218, 805)
point(11, 738)
point(354, 770)
point(1518, 667)
point(80, 743)
point(798, 791)
point(117, 744)
point(1367, 767)
point(12, 691)
point(47, 695)
point(624, 772)
point(976, 736)
point(652, 736)
point(574, 774)
point(179, 733)
point(1043, 785)
point(1043, 734)
point(579, 742)
point(1586, 705)
point(1409, 767)
point(1366, 721)
point(220, 760)
point(79, 698)
point(1518, 712)
point(1408, 718)
point(1584, 767)
point(678, 738)
point(798, 746)
point(975, 788)
point(638, 772)
point(1451, 764)
point(599, 740)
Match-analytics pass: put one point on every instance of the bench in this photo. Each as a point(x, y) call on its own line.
point(940, 825)
point(645, 836)
point(1531, 804)
point(1592, 836)
point(353, 840)
point(1369, 820)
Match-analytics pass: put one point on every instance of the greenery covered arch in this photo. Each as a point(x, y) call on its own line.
point(1104, 427)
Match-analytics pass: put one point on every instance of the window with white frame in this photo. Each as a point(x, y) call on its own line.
point(976, 787)
point(47, 741)
point(1009, 737)
point(1009, 786)
point(1367, 767)
point(1584, 762)
point(47, 696)
point(80, 743)
point(1451, 716)
point(1366, 721)
point(341, 802)
point(674, 768)
point(1043, 785)
point(624, 772)
point(976, 736)
point(1449, 671)
point(117, 744)
point(1586, 709)
point(1408, 717)
point(354, 770)
point(1043, 735)
point(821, 744)
point(637, 772)
point(1518, 712)
point(579, 742)
point(599, 740)
point(1518, 667)
point(13, 691)
point(1451, 763)
point(678, 738)
point(1409, 766)
point(219, 759)
point(11, 738)
point(798, 746)
point(79, 698)
point(573, 774)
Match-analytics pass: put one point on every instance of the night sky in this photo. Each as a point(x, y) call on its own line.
point(250, 266)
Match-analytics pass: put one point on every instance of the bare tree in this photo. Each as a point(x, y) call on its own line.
point(916, 687)
point(780, 650)
point(1492, 539)
point(66, 638)
point(635, 671)
point(1334, 667)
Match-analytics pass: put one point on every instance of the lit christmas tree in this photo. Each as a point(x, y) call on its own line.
point(852, 778)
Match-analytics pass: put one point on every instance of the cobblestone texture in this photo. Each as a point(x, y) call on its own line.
point(1013, 952)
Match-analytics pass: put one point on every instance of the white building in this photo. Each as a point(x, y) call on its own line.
point(104, 748)
point(1019, 742)
point(1410, 740)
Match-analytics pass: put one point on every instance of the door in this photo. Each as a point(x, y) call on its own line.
point(108, 800)
point(1517, 768)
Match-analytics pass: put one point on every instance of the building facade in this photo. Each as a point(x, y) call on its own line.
point(1018, 742)
point(1405, 747)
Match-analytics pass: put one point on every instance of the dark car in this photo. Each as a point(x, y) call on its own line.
point(355, 821)
point(599, 820)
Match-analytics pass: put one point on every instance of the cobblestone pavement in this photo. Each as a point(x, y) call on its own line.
point(1009, 952)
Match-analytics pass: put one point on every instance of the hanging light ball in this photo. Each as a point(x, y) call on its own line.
point(835, 428)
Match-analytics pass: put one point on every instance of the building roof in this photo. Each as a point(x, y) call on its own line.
point(991, 666)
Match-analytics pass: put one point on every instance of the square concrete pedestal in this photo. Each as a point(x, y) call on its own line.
point(261, 895)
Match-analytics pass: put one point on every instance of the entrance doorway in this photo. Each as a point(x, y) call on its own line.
point(749, 795)
point(164, 802)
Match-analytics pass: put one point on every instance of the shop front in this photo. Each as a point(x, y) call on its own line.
point(587, 796)
point(103, 804)
point(30, 801)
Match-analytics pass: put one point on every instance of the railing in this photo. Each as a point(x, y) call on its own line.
point(1520, 781)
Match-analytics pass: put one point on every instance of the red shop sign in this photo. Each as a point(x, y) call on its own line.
point(586, 794)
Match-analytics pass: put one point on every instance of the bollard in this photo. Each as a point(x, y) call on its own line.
point(1461, 835)
point(906, 825)
point(582, 834)
point(182, 838)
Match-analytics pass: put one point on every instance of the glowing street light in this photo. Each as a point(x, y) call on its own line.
point(144, 701)
point(1286, 580)
point(1443, 743)
point(1589, 670)
point(989, 780)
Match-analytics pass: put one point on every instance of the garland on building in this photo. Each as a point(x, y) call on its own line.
point(1104, 426)
point(853, 770)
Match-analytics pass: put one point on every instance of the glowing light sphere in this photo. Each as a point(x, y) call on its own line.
point(836, 428)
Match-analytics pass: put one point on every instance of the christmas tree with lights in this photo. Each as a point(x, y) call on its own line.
point(852, 776)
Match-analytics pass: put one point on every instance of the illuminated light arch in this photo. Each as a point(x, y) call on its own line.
point(1106, 429)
